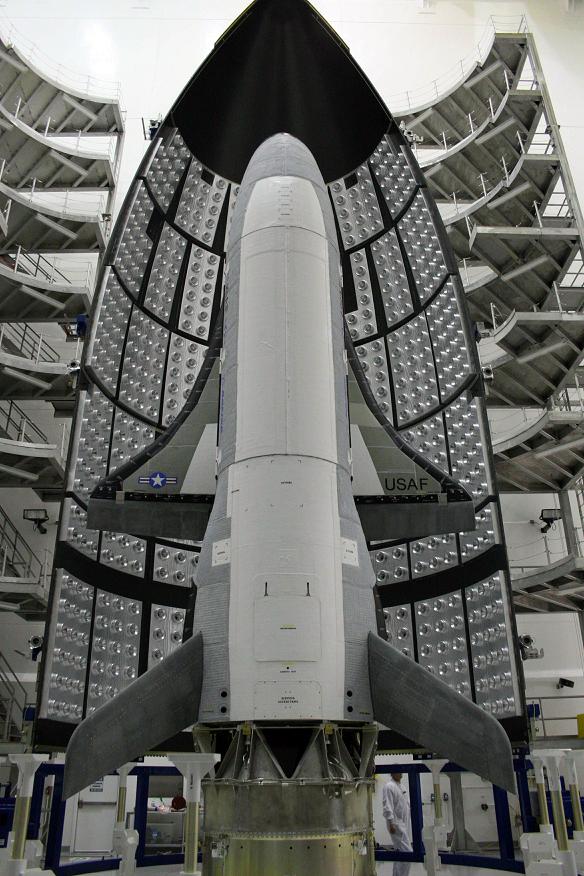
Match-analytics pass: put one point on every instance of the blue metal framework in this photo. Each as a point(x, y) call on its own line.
point(506, 860)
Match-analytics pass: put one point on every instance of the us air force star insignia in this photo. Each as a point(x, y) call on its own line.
point(157, 480)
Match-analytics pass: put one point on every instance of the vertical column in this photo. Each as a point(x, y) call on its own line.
point(544, 817)
point(504, 831)
point(193, 768)
point(435, 836)
point(461, 839)
point(568, 522)
point(125, 841)
point(572, 773)
point(56, 822)
point(27, 765)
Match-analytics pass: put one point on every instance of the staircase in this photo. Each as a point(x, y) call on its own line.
point(12, 704)
point(24, 579)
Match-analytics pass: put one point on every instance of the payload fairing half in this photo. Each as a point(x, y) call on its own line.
point(285, 465)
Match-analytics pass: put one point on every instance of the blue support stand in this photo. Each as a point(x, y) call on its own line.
point(141, 812)
point(417, 813)
point(504, 831)
point(56, 822)
point(528, 819)
point(143, 774)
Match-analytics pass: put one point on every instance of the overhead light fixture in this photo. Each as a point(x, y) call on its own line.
point(38, 517)
point(548, 517)
point(564, 682)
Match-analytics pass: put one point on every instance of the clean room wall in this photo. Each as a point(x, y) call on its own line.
point(560, 636)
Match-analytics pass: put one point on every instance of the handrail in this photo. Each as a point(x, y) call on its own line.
point(30, 52)
point(16, 555)
point(14, 700)
point(407, 102)
point(16, 425)
point(543, 719)
point(29, 343)
point(36, 265)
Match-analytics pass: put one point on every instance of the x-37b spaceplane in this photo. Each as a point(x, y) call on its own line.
point(280, 237)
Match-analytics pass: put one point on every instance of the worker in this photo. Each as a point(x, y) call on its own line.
point(179, 804)
point(396, 811)
point(81, 321)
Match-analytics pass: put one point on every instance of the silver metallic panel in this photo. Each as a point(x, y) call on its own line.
point(390, 564)
point(185, 359)
point(134, 248)
point(433, 554)
point(474, 543)
point(166, 168)
point(448, 341)
point(68, 659)
point(491, 653)
point(173, 564)
point(128, 438)
point(115, 645)
point(393, 173)
point(414, 376)
point(357, 209)
point(399, 628)
point(442, 645)
point(373, 360)
point(362, 322)
point(166, 632)
point(422, 247)
point(110, 332)
point(199, 293)
point(81, 538)
point(93, 446)
point(467, 457)
point(428, 438)
point(123, 552)
point(144, 362)
point(165, 272)
point(393, 281)
point(201, 204)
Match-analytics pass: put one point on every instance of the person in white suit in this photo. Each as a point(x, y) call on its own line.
point(396, 811)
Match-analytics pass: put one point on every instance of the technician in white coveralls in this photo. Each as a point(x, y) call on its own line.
point(396, 811)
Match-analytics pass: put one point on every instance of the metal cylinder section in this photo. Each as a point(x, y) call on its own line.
point(291, 800)
point(258, 829)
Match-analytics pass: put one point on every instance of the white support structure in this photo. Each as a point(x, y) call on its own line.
point(16, 861)
point(434, 836)
point(193, 767)
point(570, 773)
point(549, 852)
point(125, 841)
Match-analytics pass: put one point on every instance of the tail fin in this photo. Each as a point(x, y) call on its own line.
point(407, 698)
point(155, 707)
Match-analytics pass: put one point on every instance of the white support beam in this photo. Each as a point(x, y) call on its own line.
point(79, 106)
point(19, 473)
point(27, 378)
point(50, 223)
point(44, 297)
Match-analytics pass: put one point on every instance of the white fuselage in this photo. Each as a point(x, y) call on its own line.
point(286, 628)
